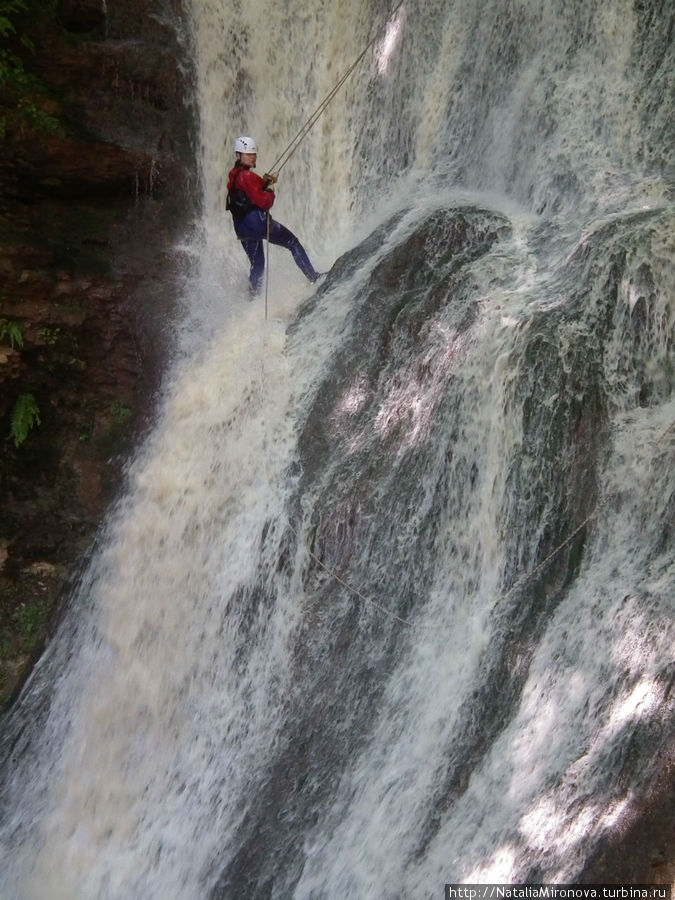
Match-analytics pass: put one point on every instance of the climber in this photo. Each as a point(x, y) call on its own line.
point(249, 199)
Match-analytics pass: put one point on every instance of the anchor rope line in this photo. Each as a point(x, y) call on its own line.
point(525, 578)
point(334, 575)
point(520, 583)
point(420, 625)
point(281, 161)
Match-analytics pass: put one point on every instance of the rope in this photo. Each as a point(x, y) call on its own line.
point(420, 625)
point(267, 265)
point(519, 584)
point(278, 165)
point(670, 428)
point(522, 581)
point(334, 575)
point(281, 161)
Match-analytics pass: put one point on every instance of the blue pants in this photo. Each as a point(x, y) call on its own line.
point(252, 231)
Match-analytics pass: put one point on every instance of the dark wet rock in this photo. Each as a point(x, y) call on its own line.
point(81, 15)
point(90, 211)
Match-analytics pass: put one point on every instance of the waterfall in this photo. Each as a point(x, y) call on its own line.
point(388, 600)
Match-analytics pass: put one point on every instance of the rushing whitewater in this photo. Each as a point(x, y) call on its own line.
point(388, 602)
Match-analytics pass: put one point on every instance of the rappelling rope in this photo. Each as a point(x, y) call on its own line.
point(267, 266)
point(281, 161)
point(522, 581)
point(276, 168)
point(525, 578)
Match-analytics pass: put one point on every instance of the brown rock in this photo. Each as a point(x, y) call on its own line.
point(81, 15)
point(88, 217)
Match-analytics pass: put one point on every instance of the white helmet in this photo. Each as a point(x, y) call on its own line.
point(245, 145)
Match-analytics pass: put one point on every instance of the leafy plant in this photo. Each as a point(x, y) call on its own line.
point(10, 8)
point(25, 416)
point(49, 335)
point(12, 71)
point(121, 413)
point(14, 77)
point(22, 630)
point(35, 116)
point(11, 330)
point(32, 620)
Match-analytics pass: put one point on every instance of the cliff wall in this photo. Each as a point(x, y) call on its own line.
point(97, 186)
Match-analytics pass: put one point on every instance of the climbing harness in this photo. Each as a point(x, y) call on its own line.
point(237, 201)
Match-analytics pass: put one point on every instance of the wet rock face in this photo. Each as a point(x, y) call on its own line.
point(90, 209)
point(81, 15)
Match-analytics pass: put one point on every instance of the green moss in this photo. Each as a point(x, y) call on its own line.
point(115, 441)
point(32, 622)
point(23, 629)
point(121, 413)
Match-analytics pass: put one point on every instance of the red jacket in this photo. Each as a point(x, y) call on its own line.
point(252, 185)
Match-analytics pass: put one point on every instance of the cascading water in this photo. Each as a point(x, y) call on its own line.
point(389, 600)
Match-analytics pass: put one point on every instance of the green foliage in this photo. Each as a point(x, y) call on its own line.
point(32, 621)
point(12, 71)
point(36, 117)
point(12, 331)
point(121, 413)
point(19, 85)
point(10, 8)
point(25, 416)
point(23, 627)
point(49, 335)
